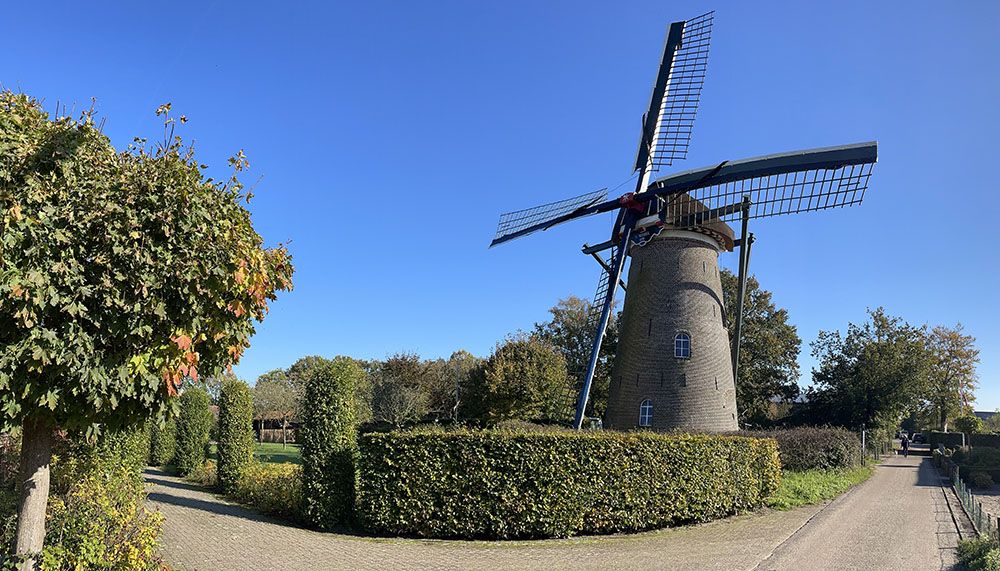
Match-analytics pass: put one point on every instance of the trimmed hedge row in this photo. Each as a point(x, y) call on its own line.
point(193, 426)
point(814, 448)
point(984, 440)
point(163, 443)
point(502, 485)
point(949, 439)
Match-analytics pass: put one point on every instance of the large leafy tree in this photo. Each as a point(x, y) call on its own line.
point(871, 376)
point(769, 350)
point(572, 334)
point(952, 374)
point(524, 379)
point(121, 274)
point(399, 389)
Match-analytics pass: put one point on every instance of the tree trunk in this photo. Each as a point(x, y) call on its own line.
point(284, 436)
point(37, 436)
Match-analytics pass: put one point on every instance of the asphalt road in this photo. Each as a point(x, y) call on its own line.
point(900, 519)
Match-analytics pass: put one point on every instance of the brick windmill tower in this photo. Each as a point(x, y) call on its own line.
point(677, 364)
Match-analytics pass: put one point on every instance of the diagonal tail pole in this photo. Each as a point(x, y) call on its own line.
point(745, 241)
point(615, 275)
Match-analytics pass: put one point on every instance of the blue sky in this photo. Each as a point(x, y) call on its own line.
point(389, 137)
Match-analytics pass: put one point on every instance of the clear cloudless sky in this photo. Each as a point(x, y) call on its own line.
point(390, 136)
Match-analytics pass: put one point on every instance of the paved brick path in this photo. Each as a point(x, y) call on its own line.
point(205, 533)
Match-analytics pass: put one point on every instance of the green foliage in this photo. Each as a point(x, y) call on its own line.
point(128, 448)
point(984, 440)
point(980, 479)
point(501, 484)
point(205, 475)
point(980, 554)
point(949, 439)
point(399, 393)
point(951, 375)
point(769, 351)
point(524, 379)
point(969, 424)
point(122, 272)
point(271, 488)
point(163, 442)
point(193, 426)
point(872, 376)
point(329, 442)
point(571, 333)
point(236, 439)
point(813, 448)
point(814, 486)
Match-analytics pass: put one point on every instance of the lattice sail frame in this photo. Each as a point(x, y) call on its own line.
point(790, 183)
point(523, 222)
point(683, 93)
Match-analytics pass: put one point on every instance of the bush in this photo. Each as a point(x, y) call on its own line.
point(102, 523)
point(969, 424)
point(980, 554)
point(193, 426)
point(814, 448)
point(271, 488)
point(163, 443)
point(329, 442)
point(501, 484)
point(948, 439)
point(236, 437)
point(984, 440)
point(204, 475)
point(980, 480)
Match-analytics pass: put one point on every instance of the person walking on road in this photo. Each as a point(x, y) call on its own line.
point(904, 443)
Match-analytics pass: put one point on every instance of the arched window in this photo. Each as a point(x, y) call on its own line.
point(646, 413)
point(682, 346)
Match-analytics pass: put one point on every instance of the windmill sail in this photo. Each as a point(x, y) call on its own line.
point(668, 123)
point(788, 183)
point(523, 222)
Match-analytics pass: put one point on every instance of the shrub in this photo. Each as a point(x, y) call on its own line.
point(236, 438)
point(948, 439)
point(814, 448)
point(984, 440)
point(193, 426)
point(980, 480)
point(980, 554)
point(163, 443)
point(102, 523)
point(204, 475)
point(271, 488)
point(969, 424)
point(129, 446)
point(329, 442)
point(502, 484)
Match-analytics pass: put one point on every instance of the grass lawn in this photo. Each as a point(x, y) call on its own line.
point(814, 486)
point(269, 452)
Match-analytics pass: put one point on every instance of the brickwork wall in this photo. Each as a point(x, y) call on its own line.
point(673, 286)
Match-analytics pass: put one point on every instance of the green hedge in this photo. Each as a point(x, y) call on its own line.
point(814, 448)
point(329, 442)
point(193, 426)
point(236, 441)
point(984, 440)
point(163, 443)
point(949, 439)
point(502, 485)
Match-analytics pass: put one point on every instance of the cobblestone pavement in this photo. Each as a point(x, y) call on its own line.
point(205, 533)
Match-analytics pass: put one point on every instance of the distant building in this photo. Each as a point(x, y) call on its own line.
point(985, 415)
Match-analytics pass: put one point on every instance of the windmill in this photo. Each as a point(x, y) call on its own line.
point(676, 366)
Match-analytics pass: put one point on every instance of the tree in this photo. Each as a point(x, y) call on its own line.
point(121, 274)
point(461, 366)
point(275, 398)
point(399, 394)
point(969, 424)
point(572, 334)
point(524, 379)
point(769, 350)
point(872, 376)
point(952, 373)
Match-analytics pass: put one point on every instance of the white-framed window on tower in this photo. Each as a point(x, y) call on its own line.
point(646, 413)
point(682, 345)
